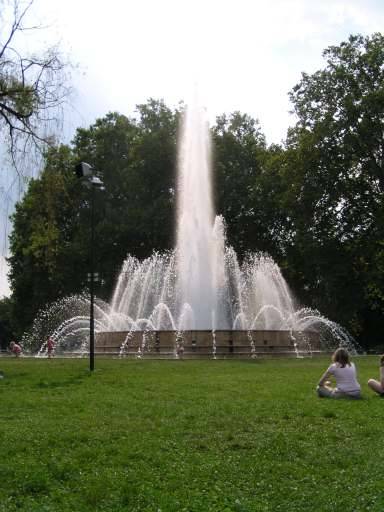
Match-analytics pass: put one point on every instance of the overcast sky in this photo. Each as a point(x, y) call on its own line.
point(244, 54)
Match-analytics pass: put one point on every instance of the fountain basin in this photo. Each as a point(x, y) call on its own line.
point(206, 344)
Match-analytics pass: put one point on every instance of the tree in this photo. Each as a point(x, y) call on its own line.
point(6, 332)
point(247, 184)
point(50, 242)
point(137, 159)
point(335, 158)
point(33, 88)
point(237, 145)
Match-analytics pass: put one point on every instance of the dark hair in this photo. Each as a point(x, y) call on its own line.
point(382, 360)
point(341, 356)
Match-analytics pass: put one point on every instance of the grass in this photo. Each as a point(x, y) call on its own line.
point(186, 436)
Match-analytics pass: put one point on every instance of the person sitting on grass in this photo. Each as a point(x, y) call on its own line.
point(375, 385)
point(344, 372)
point(15, 348)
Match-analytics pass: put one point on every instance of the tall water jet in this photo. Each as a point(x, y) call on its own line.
point(200, 248)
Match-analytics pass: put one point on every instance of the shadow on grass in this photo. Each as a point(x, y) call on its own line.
point(69, 381)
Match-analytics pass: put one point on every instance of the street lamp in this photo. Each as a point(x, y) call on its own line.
point(88, 176)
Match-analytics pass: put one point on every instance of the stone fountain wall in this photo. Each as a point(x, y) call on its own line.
point(206, 344)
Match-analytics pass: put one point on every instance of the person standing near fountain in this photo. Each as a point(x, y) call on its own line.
point(15, 348)
point(375, 385)
point(50, 347)
point(344, 372)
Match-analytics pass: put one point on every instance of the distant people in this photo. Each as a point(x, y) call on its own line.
point(344, 373)
point(179, 346)
point(375, 385)
point(180, 351)
point(15, 348)
point(50, 347)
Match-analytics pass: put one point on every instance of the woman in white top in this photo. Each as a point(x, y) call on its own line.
point(376, 385)
point(344, 372)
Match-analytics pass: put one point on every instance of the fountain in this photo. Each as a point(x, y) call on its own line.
point(197, 300)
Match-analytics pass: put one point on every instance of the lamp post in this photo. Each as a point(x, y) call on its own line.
point(88, 176)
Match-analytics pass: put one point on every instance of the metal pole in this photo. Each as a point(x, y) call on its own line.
point(84, 170)
point(92, 289)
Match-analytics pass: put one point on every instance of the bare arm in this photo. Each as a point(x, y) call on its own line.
point(382, 376)
point(326, 376)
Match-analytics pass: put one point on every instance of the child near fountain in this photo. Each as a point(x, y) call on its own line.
point(15, 348)
point(344, 372)
point(50, 347)
point(375, 385)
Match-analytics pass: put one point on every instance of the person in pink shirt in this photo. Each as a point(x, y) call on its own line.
point(344, 373)
point(50, 347)
point(375, 385)
point(15, 348)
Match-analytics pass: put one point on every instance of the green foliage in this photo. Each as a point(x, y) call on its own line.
point(185, 435)
point(42, 238)
point(239, 149)
point(136, 158)
point(50, 242)
point(6, 332)
point(17, 97)
point(335, 165)
point(248, 185)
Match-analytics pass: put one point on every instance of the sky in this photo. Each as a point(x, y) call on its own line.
point(244, 55)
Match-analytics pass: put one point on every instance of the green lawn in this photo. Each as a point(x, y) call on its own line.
point(186, 436)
